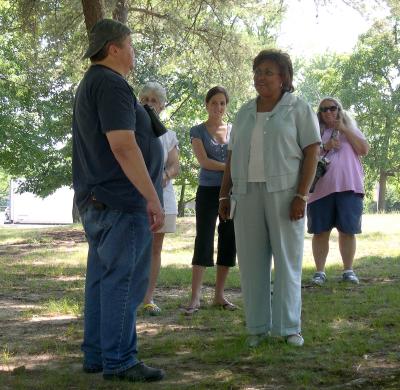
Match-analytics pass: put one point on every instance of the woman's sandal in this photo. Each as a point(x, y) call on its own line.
point(190, 310)
point(229, 306)
point(226, 306)
point(151, 309)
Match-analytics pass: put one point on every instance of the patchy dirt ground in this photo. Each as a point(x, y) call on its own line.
point(379, 370)
point(24, 336)
point(34, 343)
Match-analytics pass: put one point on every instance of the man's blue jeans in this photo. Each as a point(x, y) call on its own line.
point(117, 273)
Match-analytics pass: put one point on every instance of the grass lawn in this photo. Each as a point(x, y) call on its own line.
point(352, 333)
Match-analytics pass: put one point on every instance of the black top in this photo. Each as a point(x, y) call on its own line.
point(104, 102)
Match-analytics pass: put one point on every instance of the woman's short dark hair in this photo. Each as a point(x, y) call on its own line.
point(216, 90)
point(284, 63)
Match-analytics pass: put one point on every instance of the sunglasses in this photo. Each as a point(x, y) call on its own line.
point(326, 109)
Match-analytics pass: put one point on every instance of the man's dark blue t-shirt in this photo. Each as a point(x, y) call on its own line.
point(104, 102)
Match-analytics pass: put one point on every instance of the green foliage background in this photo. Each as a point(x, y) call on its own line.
point(368, 84)
point(188, 46)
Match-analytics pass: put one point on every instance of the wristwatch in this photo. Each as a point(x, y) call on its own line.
point(302, 197)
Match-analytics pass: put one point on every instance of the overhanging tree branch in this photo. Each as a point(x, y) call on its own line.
point(148, 12)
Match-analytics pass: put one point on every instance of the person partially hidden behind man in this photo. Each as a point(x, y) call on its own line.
point(117, 172)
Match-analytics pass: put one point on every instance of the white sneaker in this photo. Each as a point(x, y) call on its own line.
point(296, 340)
point(351, 277)
point(319, 278)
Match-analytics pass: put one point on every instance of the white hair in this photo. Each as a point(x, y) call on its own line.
point(157, 89)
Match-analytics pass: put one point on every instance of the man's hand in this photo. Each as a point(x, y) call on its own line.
point(156, 215)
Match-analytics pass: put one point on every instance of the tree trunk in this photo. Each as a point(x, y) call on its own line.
point(120, 12)
point(181, 203)
point(382, 191)
point(93, 10)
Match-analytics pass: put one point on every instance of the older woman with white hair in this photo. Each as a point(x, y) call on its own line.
point(154, 95)
point(337, 201)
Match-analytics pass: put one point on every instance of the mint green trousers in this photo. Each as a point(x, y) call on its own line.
point(264, 231)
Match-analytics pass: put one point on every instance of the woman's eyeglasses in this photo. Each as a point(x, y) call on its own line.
point(267, 73)
point(326, 109)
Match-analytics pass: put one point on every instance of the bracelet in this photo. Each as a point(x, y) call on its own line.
point(223, 198)
point(302, 197)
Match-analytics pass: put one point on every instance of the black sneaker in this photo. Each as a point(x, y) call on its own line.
point(138, 373)
point(92, 369)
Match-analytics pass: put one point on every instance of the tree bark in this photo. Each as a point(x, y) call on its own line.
point(120, 12)
point(181, 203)
point(382, 191)
point(93, 10)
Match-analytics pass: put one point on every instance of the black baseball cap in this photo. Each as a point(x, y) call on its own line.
point(104, 31)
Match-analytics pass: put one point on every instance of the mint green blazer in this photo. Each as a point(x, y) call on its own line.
point(288, 129)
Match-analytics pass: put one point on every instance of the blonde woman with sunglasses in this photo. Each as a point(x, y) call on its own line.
point(337, 200)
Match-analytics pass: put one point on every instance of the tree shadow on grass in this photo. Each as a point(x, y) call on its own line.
point(50, 238)
point(352, 335)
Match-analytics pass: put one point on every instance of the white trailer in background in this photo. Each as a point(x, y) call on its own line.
point(29, 208)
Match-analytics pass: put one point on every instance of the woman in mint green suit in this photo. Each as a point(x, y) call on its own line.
point(273, 153)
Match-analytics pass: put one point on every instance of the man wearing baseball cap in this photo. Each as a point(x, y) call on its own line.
point(117, 173)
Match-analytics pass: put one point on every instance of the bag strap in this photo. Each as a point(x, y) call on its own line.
point(333, 134)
